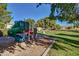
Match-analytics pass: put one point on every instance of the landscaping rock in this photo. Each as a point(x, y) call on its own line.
point(6, 41)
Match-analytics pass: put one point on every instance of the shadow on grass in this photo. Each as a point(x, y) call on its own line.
point(76, 31)
point(58, 46)
point(63, 40)
point(66, 39)
point(69, 35)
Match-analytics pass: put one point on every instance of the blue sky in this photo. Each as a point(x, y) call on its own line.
point(21, 11)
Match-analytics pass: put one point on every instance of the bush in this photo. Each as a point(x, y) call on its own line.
point(1, 33)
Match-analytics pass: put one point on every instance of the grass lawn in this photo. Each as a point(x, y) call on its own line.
point(67, 43)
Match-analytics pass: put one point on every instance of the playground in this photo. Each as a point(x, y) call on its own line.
point(39, 29)
point(20, 41)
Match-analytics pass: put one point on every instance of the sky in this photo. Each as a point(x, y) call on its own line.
point(21, 11)
point(29, 10)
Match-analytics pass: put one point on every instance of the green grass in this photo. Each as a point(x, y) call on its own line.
point(67, 43)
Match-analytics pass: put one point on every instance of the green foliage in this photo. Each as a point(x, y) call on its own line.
point(1, 25)
point(4, 15)
point(46, 22)
point(76, 24)
point(65, 11)
point(4, 18)
point(58, 26)
point(30, 21)
point(40, 23)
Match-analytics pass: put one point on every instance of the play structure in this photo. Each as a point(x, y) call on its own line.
point(18, 31)
point(21, 32)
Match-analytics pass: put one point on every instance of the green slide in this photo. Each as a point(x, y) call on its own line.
point(17, 28)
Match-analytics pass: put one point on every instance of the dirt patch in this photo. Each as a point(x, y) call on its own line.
point(35, 49)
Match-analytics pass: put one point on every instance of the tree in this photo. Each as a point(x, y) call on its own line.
point(49, 22)
point(4, 15)
point(40, 23)
point(1, 25)
point(46, 22)
point(65, 11)
point(76, 24)
point(58, 26)
point(30, 21)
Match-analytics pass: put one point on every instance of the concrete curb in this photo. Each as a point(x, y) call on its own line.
point(47, 50)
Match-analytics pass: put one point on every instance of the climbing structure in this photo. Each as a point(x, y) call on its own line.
point(18, 28)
